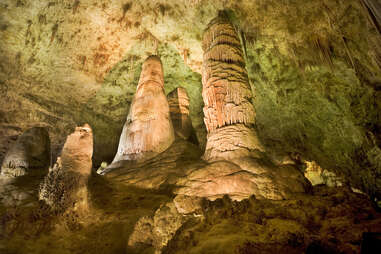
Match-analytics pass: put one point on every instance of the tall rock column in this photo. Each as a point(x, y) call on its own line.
point(148, 130)
point(229, 113)
point(179, 110)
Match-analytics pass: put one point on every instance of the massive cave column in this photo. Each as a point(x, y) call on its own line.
point(148, 130)
point(229, 113)
point(179, 110)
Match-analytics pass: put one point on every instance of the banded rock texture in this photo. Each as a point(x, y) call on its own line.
point(30, 154)
point(66, 183)
point(229, 114)
point(148, 130)
point(178, 101)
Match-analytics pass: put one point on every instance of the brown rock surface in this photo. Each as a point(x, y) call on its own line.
point(148, 130)
point(178, 101)
point(66, 183)
point(229, 114)
point(242, 178)
point(29, 154)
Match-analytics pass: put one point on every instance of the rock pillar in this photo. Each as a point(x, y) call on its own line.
point(65, 186)
point(179, 110)
point(148, 130)
point(229, 113)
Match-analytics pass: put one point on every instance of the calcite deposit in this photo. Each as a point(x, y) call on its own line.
point(229, 113)
point(148, 130)
point(29, 155)
point(178, 101)
point(65, 185)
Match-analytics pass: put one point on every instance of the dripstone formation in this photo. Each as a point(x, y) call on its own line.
point(229, 114)
point(178, 101)
point(148, 130)
point(30, 154)
point(66, 183)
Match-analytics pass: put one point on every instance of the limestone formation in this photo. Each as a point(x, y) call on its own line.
point(30, 154)
point(66, 183)
point(229, 114)
point(178, 101)
point(148, 130)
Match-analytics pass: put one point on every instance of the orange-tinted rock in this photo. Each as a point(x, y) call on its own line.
point(148, 130)
point(229, 114)
point(78, 150)
point(30, 153)
point(65, 185)
point(178, 101)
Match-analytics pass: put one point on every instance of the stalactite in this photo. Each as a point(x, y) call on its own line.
point(229, 114)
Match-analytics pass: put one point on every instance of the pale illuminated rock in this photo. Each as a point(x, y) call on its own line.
point(148, 130)
point(229, 114)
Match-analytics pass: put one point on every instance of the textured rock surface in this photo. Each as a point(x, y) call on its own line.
point(229, 114)
point(159, 229)
point(331, 220)
point(313, 66)
point(241, 178)
point(66, 183)
point(178, 101)
point(29, 154)
point(148, 130)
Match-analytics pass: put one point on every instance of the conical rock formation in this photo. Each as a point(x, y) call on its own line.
point(178, 101)
point(148, 130)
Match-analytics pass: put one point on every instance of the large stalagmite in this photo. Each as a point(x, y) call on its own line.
point(148, 130)
point(65, 185)
point(229, 114)
point(179, 109)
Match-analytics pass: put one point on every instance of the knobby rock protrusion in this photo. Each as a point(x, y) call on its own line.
point(229, 113)
point(65, 186)
point(30, 154)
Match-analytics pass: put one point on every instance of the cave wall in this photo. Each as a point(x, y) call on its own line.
point(313, 66)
